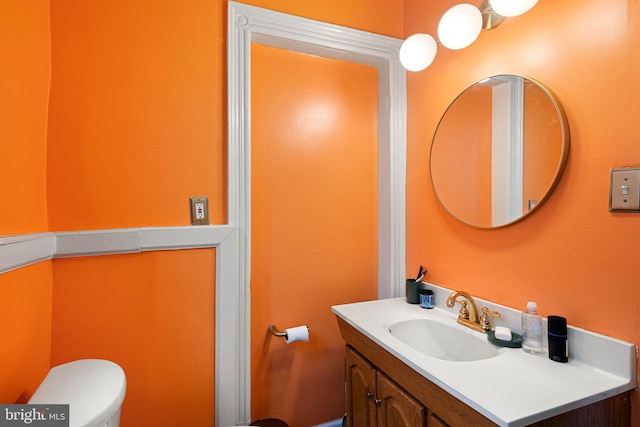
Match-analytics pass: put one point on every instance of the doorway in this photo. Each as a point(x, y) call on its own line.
point(247, 25)
point(314, 224)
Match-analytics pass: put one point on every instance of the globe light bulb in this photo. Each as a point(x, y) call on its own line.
point(511, 8)
point(417, 52)
point(460, 26)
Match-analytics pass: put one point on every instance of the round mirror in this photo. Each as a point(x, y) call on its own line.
point(499, 151)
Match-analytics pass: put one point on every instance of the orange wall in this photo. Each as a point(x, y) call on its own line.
point(25, 294)
point(314, 224)
point(24, 85)
point(137, 112)
point(573, 257)
point(25, 328)
point(385, 17)
point(137, 115)
point(152, 313)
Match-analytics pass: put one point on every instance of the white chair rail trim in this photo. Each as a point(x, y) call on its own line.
point(22, 250)
point(25, 249)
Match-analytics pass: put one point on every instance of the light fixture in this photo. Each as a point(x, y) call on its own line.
point(417, 52)
point(510, 8)
point(458, 28)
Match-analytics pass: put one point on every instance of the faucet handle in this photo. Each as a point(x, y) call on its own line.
point(485, 320)
point(464, 311)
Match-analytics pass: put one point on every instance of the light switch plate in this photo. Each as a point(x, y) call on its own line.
point(199, 210)
point(624, 190)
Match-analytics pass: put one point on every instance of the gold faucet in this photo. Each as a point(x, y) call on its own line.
point(468, 312)
point(469, 316)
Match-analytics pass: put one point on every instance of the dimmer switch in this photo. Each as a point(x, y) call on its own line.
point(624, 190)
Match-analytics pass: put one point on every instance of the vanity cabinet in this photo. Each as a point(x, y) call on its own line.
point(384, 391)
point(374, 400)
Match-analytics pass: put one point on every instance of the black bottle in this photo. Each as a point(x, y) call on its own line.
point(558, 345)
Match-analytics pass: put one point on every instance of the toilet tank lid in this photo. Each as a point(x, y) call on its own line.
point(93, 388)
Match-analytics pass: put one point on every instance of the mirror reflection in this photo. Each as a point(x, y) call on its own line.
point(499, 151)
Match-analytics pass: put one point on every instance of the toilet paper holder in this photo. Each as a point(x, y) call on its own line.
point(277, 333)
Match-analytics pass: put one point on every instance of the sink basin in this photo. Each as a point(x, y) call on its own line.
point(443, 341)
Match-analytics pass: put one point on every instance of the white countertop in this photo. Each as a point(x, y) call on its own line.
point(514, 388)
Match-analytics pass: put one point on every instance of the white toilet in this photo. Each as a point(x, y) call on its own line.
point(93, 388)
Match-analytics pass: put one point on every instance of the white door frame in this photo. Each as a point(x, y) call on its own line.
point(250, 24)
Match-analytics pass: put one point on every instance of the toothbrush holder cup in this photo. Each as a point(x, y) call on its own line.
point(413, 291)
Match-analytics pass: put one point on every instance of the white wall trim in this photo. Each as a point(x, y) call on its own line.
point(97, 242)
point(25, 249)
point(22, 250)
point(250, 24)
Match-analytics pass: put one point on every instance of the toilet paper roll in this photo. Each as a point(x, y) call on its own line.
point(299, 333)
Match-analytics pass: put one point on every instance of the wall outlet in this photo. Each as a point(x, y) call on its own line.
point(624, 190)
point(199, 210)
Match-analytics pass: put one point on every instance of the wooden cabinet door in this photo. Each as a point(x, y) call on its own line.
point(396, 407)
point(361, 391)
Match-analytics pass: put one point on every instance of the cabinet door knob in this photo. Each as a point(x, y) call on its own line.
point(370, 395)
point(378, 402)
